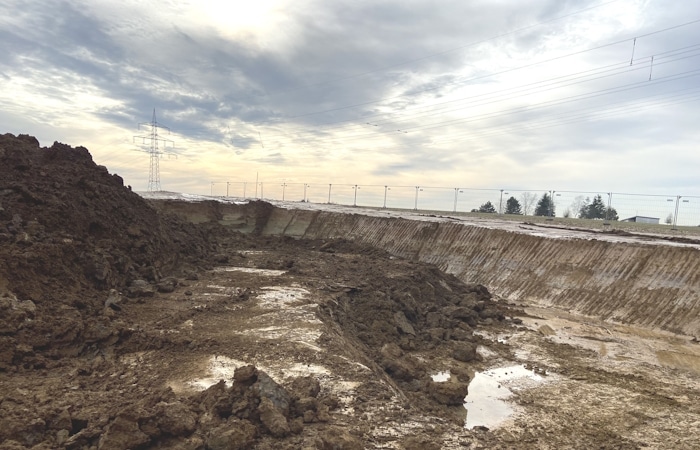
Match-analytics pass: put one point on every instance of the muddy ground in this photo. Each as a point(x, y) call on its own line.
point(122, 326)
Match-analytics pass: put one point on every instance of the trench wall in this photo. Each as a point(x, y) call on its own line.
point(655, 286)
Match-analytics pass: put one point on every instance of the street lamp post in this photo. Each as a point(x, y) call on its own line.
point(212, 188)
point(675, 216)
point(682, 201)
point(500, 204)
point(457, 192)
point(550, 216)
point(415, 205)
point(329, 193)
point(227, 185)
point(305, 186)
point(284, 187)
point(386, 188)
point(355, 187)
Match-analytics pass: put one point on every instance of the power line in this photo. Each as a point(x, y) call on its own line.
point(443, 52)
point(531, 107)
point(668, 53)
point(398, 122)
point(531, 88)
point(619, 67)
point(541, 86)
point(371, 102)
point(569, 99)
point(569, 119)
point(469, 135)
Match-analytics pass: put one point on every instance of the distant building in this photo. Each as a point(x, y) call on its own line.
point(642, 219)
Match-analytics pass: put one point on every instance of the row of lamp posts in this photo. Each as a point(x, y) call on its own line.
point(245, 185)
point(355, 188)
point(457, 191)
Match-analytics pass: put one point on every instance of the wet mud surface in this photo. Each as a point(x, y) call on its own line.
point(122, 326)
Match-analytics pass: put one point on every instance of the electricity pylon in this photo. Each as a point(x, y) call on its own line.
point(154, 151)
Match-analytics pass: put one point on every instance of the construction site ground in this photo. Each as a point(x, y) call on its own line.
point(126, 328)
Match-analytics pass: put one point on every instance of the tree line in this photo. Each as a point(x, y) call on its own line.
point(584, 208)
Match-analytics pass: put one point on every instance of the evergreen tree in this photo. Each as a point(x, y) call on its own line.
point(545, 206)
point(611, 214)
point(513, 206)
point(485, 208)
point(583, 209)
point(597, 210)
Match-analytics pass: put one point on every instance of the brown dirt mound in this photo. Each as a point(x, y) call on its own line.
point(59, 196)
point(411, 319)
point(69, 231)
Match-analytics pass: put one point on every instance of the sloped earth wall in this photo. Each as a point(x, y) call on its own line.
point(637, 280)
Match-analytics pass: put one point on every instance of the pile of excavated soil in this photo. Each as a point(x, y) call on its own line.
point(69, 231)
point(407, 317)
point(93, 277)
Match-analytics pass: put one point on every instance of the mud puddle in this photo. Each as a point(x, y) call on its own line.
point(618, 345)
point(265, 272)
point(488, 403)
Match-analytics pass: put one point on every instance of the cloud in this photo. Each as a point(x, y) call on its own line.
point(496, 89)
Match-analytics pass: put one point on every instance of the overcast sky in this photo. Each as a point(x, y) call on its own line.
point(539, 94)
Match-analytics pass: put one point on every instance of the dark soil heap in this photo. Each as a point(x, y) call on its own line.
point(409, 318)
point(69, 231)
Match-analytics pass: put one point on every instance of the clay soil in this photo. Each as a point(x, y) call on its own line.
point(125, 327)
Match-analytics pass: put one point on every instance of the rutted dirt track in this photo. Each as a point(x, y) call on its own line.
point(117, 321)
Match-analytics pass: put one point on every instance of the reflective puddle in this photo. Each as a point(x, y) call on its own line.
point(279, 296)
point(487, 403)
point(269, 272)
point(218, 368)
point(441, 377)
point(222, 368)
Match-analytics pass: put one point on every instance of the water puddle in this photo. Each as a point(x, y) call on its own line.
point(218, 368)
point(300, 370)
point(277, 296)
point(487, 403)
point(268, 272)
point(288, 316)
point(304, 336)
point(222, 368)
point(441, 377)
